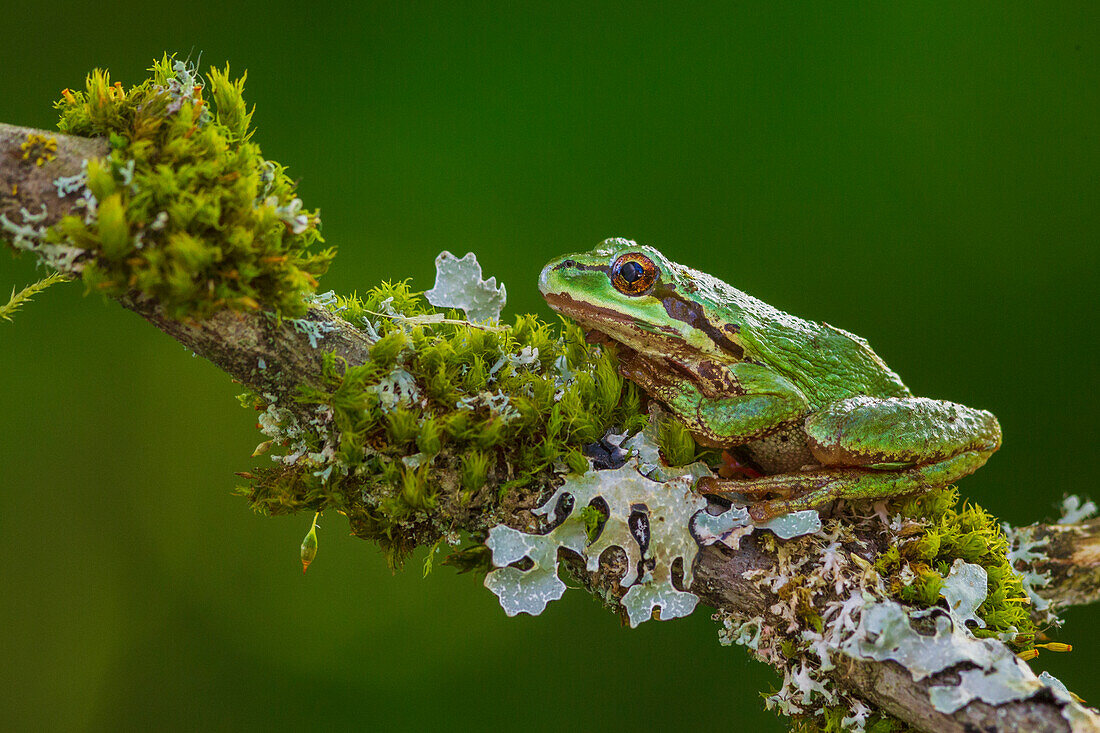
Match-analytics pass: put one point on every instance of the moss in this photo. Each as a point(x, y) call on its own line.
point(499, 406)
point(945, 530)
point(185, 209)
point(593, 517)
point(285, 490)
point(475, 558)
point(18, 300)
point(677, 443)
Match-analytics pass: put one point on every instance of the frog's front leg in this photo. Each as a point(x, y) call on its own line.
point(874, 448)
point(746, 401)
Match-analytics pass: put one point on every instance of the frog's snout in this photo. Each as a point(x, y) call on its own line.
point(544, 278)
point(550, 279)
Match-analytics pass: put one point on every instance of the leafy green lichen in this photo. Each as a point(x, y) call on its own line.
point(185, 209)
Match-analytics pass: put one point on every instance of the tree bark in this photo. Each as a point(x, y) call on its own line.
point(1072, 559)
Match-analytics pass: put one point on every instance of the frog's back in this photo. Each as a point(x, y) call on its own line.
point(825, 362)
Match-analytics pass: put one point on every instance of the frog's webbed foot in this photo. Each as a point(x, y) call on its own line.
point(796, 492)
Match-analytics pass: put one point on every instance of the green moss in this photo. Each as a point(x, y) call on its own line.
point(18, 300)
point(475, 558)
point(948, 530)
point(500, 406)
point(184, 208)
point(676, 441)
point(593, 518)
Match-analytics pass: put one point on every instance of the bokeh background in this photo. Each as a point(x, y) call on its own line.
point(925, 175)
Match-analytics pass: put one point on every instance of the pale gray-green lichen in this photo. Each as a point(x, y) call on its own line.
point(648, 520)
point(734, 523)
point(1005, 679)
point(528, 591)
point(965, 588)
point(856, 617)
point(1023, 551)
point(1074, 509)
point(458, 284)
point(653, 516)
point(885, 632)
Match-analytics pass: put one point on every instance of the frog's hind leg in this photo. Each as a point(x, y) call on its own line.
point(811, 489)
point(898, 432)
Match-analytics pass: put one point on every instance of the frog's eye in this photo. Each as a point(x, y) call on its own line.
point(633, 273)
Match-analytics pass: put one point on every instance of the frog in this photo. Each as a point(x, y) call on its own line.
point(811, 406)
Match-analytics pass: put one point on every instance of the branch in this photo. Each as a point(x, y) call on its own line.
point(1070, 559)
point(272, 357)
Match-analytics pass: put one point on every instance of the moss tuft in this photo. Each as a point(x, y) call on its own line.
point(18, 300)
point(185, 209)
point(496, 405)
point(677, 443)
point(945, 530)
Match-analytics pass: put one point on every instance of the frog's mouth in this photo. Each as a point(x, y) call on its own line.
point(586, 313)
point(606, 325)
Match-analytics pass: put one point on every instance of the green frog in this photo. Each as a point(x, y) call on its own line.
point(811, 406)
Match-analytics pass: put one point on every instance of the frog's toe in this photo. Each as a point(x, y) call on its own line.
point(763, 511)
point(736, 488)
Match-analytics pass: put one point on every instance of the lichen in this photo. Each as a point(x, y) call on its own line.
point(965, 589)
point(649, 521)
point(928, 593)
point(821, 583)
point(1025, 550)
point(39, 149)
point(458, 284)
point(1074, 509)
point(644, 508)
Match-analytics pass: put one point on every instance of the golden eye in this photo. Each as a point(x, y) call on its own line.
point(633, 273)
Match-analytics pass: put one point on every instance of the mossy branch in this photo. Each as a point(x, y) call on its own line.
point(1071, 560)
point(270, 358)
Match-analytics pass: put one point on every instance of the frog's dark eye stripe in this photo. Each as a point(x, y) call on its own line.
point(633, 273)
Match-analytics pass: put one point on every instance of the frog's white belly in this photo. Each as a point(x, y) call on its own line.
point(782, 452)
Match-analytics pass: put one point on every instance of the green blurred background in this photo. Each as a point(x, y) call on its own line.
point(926, 176)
